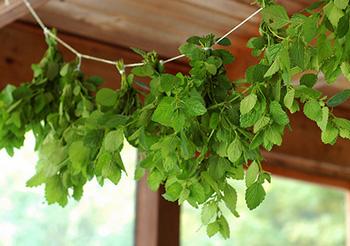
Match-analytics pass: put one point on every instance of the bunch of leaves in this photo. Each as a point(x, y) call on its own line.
point(313, 43)
point(86, 137)
point(197, 131)
point(190, 132)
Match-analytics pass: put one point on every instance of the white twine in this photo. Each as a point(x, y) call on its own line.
point(97, 59)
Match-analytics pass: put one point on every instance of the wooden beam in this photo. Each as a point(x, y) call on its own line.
point(347, 212)
point(304, 156)
point(147, 24)
point(15, 10)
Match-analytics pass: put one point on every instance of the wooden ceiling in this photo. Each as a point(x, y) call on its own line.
point(162, 25)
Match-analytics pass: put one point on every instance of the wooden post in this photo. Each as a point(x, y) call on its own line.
point(347, 212)
point(157, 220)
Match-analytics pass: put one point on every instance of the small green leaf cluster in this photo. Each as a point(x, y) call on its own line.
point(196, 132)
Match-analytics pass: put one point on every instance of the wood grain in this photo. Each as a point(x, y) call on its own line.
point(15, 10)
point(155, 25)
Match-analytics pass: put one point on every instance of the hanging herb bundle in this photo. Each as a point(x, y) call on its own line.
point(197, 131)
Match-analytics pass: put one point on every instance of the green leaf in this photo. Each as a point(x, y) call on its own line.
point(64, 70)
point(113, 141)
point(322, 124)
point(111, 171)
point(341, 4)
point(273, 136)
point(55, 192)
point(192, 51)
point(230, 198)
point(173, 191)
point(225, 42)
point(261, 123)
point(213, 228)
point(329, 136)
point(168, 82)
point(333, 13)
point(310, 27)
point(254, 195)
point(217, 167)
point(197, 192)
point(224, 227)
point(214, 120)
point(106, 97)
point(235, 150)
point(103, 160)
point(275, 67)
point(297, 53)
point(342, 123)
point(154, 180)
point(139, 172)
point(339, 98)
point(289, 98)
point(313, 110)
point(167, 114)
point(248, 103)
point(194, 107)
point(143, 71)
point(208, 213)
point(345, 68)
point(225, 56)
point(343, 26)
point(252, 174)
point(309, 80)
point(256, 73)
point(79, 155)
point(211, 68)
point(278, 114)
point(209, 180)
point(275, 16)
point(6, 94)
point(78, 192)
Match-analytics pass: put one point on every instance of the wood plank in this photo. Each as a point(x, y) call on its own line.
point(304, 156)
point(152, 24)
point(147, 24)
point(15, 10)
point(306, 169)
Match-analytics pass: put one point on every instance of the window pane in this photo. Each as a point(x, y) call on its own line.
point(104, 216)
point(294, 213)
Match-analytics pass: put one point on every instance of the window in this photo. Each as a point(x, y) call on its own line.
point(294, 213)
point(104, 216)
